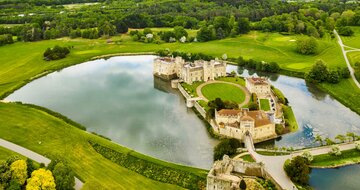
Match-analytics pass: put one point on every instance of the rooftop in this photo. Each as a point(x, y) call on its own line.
point(229, 112)
point(257, 80)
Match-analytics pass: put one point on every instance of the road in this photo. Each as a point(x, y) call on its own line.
point(274, 164)
point(33, 156)
point(351, 69)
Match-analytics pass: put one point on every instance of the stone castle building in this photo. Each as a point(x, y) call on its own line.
point(236, 123)
point(227, 174)
point(189, 72)
point(259, 86)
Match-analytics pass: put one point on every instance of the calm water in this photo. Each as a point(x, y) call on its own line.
point(120, 98)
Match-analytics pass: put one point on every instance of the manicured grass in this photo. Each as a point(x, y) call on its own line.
point(191, 88)
point(345, 92)
point(290, 117)
point(352, 41)
point(191, 32)
point(27, 126)
point(346, 157)
point(224, 91)
point(247, 158)
point(236, 80)
point(268, 153)
point(265, 104)
point(6, 153)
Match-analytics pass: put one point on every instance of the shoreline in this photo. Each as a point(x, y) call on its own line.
point(335, 166)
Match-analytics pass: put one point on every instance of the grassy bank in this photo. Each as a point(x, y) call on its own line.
point(6, 153)
point(347, 157)
point(290, 118)
point(31, 126)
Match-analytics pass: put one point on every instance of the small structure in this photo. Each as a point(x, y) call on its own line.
point(189, 72)
point(258, 85)
point(226, 174)
point(236, 123)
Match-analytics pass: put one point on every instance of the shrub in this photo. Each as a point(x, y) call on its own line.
point(226, 146)
point(345, 31)
point(306, 45)
point(357, 145)
point(152, 170)
point(56, 52)
point(6, 39)
point(318, 73)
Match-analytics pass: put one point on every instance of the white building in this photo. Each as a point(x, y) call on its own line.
point(189, 72)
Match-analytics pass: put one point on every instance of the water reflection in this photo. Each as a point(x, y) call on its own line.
point(311, 107)
point(120, 99)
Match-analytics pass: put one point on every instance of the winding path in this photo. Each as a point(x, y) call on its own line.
point(247, 94)
point(33, 156)
point(352, 72)
point(274, 164)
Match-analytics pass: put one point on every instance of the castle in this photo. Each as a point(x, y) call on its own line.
point(236, 123)
point(189, 72)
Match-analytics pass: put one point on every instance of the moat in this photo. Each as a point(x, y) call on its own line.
point(119, 98)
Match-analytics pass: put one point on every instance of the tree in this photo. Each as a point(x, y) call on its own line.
point(30, 167)
point(335, 150)
point(329, 141)
point(357, 145)
point(306, 45)
point(308, 156)
point(41, 179)
point(298, 170)
point(19, 171)
point(64, 177)
point(333, 77)
point(352, 136)
point(244, 25)
point(226, 146)
point(179, 32)
point(345, 31)
point(318, 73)
point(242, 184)
point(319, 139)
point(341, 138)
point(205, 34)
point(120, 26)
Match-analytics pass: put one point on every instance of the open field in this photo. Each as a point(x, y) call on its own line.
point(224, 91)
point(352, 41)
point(264, 104)
point(31, 126)
point(327, 160)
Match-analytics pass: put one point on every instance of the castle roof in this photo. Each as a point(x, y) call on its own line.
point(229, 112)
point(260, 118)
point(257, 80)
point(166, 59)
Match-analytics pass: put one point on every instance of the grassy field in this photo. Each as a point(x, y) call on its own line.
point(264, 104)
point(27, 126)
point(236, 80)
point(353, 41)
point(224, 91)
point(347, 157)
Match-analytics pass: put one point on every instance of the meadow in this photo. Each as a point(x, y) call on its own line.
point(353, 41)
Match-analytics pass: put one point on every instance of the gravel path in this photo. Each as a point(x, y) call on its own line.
point(346, 58)
point(247, 94)
point(33, 156)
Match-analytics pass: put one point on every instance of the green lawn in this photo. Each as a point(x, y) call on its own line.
point(271, 153)
point(290, 117)
point(191, 88)
point(265, 104)
point(27, 126)
point(353, 41)
point(236, 80)
point(224, 91)
point(247, 158)
point(347, 157)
